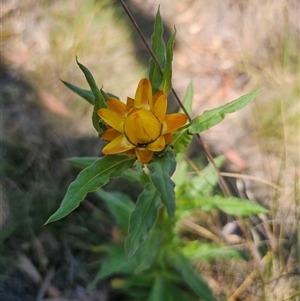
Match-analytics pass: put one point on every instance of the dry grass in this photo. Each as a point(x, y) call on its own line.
point(227, 48)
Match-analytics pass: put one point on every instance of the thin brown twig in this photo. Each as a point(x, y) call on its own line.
point(222, 182)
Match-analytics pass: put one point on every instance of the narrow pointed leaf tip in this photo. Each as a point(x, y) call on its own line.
point(89, 77)
point(86, 94)
point(167, 73)
point(158, 47)
point(142, 218)
point(98, 100)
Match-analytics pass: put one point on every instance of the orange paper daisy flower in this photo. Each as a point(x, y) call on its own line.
point(140, 127)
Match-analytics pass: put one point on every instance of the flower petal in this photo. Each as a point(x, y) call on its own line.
point(118, 145)
point(141, 127)
point(168, 138)
point(113, 119)
point(173, 121)
point(110, 134)
point(160, 108)
point(157, 95)
point(130, 153)
point(130, 102)
point(158, 145)
point(117, 106)
point(143, 95)
point(144, 155)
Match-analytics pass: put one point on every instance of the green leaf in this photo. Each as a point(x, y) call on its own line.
point(182, 140)
point(99, 99)
point(184, 267)
point(107, 95)
point(159, 290)
point(91, 81)
point(201, 184)
point(114, 263)
point(149, 248)
point(212, 117)
point(129, 174)
point(82, 162)
point(158, 47)
point(104, 95)
point(188, 98)
point(180, 175)
point(119, 205)
point(204, 182)
point(98, 123)
point(161, 170)
point(142, 218)
point(167, 73)
point(207, 252)
point(86, 94)
point(165, 290)
point(90, 179)
point(229, 205)
point(136, 176)
point(236, 206)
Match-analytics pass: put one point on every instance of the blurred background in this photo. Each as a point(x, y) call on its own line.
point(225, 48)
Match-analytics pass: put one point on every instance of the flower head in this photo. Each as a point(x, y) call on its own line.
point(140, 127)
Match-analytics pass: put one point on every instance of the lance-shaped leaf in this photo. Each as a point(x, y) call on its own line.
point(184, 267)
point(148, 249)
point(99, 99)
point(119, 204)
point(158, 47)
point(160, 290)
point(114, 263)
point(209, 251)
point(167, 73)
point(229, 205)
point(82, 162)
point(90, 179)
point(85, 94)
point(92, 83)
point(165, 289)
point(188, 98)
point(161, 170)
point(204, 182)
point(212, 117)
point(182, 140)
point(133, 175)
point(142, 218)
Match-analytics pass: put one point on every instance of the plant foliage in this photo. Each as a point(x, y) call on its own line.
point(150, 224)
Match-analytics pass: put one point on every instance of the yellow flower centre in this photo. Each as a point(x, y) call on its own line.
point(141, 127)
